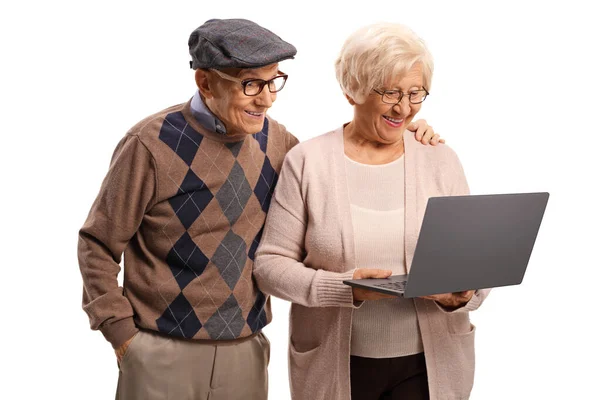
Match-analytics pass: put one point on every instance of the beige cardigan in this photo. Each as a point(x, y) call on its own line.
point(307, 249)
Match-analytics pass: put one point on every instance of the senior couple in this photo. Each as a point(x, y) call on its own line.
point(186, 200)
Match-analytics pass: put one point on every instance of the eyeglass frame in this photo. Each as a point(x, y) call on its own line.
point(402, 94)
point(244, 82)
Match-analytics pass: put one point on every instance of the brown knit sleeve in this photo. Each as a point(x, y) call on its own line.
point(127, 191)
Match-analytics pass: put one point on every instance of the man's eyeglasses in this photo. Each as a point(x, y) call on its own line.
point(395, 96)
point(253, 87)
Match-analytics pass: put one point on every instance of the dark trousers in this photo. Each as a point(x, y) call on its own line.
point(389, 378)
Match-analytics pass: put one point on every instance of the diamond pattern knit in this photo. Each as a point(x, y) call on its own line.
point(190, 238)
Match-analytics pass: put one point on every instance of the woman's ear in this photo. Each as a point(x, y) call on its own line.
point(203, 83)
point(350, 100)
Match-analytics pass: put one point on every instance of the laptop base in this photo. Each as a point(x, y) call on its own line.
point(393, 285)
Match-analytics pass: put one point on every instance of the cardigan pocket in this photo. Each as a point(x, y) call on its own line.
point(302, 359)
point(458, 323)
point(463, 359)
point(306, 372)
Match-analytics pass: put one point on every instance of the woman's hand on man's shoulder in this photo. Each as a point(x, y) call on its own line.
point(424, 132)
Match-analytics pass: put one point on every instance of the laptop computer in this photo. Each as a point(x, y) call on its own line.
point(469, 242)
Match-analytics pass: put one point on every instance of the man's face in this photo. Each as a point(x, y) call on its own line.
point(240, 113)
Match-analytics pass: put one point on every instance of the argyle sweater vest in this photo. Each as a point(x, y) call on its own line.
point(186, 207)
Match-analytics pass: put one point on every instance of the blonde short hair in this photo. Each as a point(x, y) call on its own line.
point(373, 54)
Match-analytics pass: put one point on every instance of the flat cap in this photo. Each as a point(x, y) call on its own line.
point(236, 43)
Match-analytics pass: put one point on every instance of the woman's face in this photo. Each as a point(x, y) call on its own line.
point(385, 123)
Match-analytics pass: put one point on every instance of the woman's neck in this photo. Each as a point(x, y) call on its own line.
point(365, 150)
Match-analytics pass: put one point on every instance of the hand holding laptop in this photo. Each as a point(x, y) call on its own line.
point(447, 300)
point(452, 300)
point(360, 294)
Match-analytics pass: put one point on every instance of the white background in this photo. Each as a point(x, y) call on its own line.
point(515, 93)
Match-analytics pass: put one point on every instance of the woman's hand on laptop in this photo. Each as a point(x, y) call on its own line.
point(366, 294)
point(452, 300)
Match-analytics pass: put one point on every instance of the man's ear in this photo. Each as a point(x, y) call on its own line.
point(350, 100)
point(203, 82)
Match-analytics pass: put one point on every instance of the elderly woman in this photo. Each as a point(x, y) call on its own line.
point(349, 204)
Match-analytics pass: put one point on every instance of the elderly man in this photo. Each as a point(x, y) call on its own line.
point(185, 200)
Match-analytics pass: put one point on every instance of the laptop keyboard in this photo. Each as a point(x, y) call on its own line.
point(400, 285)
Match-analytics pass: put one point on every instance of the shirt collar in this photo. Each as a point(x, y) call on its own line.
point(205, 117)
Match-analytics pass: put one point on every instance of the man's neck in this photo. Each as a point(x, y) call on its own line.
point(205, 116)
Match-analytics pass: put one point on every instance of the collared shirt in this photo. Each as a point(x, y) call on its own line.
point(205, 117)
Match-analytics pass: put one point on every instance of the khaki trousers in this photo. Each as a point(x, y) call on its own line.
point(160, 367)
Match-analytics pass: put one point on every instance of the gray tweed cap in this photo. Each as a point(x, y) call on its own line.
point(236, 43)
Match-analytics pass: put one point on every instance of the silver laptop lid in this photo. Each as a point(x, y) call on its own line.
point(475, 242)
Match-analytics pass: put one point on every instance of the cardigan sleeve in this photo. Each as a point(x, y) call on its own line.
point(278, 268)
